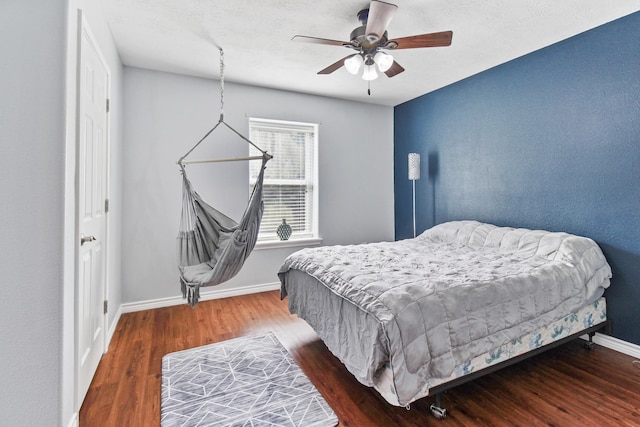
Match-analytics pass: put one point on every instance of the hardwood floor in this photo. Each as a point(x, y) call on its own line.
point(566, 386)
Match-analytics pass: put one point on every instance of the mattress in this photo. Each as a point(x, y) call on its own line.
point(587, 317)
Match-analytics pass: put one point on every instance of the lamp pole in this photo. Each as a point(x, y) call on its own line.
point(414, 207)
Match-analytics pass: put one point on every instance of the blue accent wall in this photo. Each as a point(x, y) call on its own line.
point(550, 141)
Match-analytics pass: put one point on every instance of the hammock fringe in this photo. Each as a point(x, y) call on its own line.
point(190, 292)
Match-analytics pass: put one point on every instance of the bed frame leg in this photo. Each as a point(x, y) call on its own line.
point(589, 345)
point(436, 408)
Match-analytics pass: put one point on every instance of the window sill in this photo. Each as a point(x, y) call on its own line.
point(271, 244)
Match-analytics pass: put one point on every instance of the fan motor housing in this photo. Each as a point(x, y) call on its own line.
point(359, 38)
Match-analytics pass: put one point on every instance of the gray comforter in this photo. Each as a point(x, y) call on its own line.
point(456, 291)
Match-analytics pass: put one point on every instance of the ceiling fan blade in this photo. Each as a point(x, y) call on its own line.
point(380, 14)
point(424, 40)
point(394, 70)
point(331, 68)
point(317, 40)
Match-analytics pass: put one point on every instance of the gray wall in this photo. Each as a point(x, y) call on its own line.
point(166, 114)
point(32, 165)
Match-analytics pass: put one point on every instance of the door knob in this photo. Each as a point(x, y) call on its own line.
point(85, 239)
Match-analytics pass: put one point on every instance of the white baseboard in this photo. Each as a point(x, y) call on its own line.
point(204, 296)
point(74, 421)
point(616, 344)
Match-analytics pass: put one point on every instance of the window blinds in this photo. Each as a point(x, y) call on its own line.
point(289, 180)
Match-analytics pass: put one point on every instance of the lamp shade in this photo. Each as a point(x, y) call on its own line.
point(369, 73)
point(414, 166)
point(383, 60)
point(353, 64)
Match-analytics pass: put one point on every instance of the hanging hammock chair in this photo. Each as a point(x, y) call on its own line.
point(212, 247)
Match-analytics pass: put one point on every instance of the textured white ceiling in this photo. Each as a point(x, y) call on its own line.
point(181, 36)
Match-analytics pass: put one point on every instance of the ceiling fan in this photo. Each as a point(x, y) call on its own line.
point(371, 43)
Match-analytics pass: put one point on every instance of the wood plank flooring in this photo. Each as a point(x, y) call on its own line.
point(567, 386)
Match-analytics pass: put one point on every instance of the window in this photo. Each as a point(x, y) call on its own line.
point(290, 180)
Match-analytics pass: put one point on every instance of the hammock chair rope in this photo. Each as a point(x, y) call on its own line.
point(181, 161)
point(211, 247)
point(221, 84)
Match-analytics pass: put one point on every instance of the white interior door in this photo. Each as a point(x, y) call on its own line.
point(92, 175)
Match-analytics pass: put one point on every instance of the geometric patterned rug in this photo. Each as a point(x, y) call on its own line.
point(248, 381)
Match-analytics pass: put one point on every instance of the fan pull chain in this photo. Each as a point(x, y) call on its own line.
point(369, 87)
point(221, 85)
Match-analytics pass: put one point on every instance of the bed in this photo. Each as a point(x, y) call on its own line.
point(414, 317)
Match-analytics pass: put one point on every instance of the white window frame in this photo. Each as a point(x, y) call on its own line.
point(312, 236)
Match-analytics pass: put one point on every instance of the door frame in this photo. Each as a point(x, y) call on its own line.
point(83, 28)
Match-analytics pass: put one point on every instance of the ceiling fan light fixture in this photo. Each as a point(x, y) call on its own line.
point(384, 61)
point(370, 44)
point(369, 73)
point(353, 64)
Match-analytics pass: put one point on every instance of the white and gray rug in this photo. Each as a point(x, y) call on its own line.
point(249, 382)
